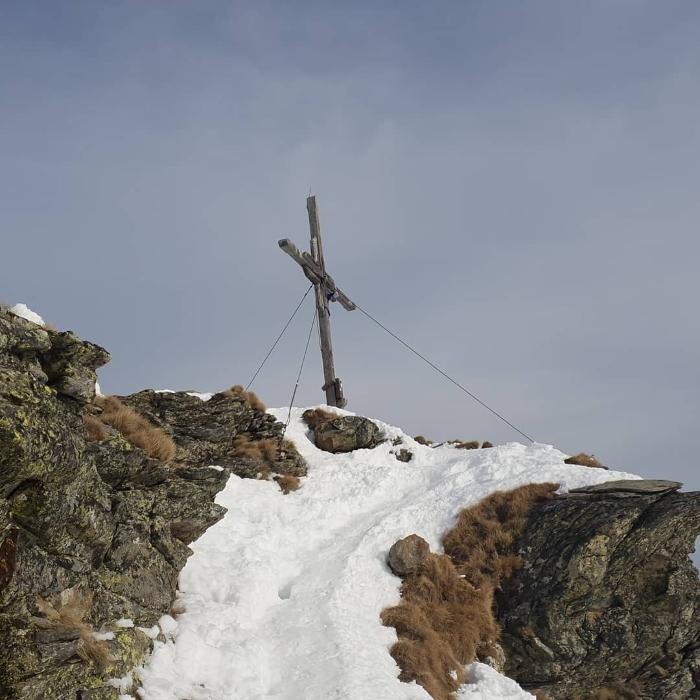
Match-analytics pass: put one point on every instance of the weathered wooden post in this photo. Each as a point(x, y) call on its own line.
point(314, 267)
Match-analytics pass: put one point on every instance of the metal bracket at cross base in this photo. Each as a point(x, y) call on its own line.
point(337, 386)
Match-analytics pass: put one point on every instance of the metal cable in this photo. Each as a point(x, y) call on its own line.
point(301, 369)
point(444, 374)
point(274, 345)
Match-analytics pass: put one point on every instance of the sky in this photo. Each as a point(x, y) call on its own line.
point(510, 187)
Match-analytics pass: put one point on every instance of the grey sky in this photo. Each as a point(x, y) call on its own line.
point(513, 187)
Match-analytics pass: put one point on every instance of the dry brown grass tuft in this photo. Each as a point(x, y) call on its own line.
point(482, 543)
point(584, 460)
point(178, 607)
point(250, 397)
point(423, 440)
point(441, 623)
point(136, 429)
point(464, 445)
point(314, 417)
point(74, 606)
point(95, 428)
point(287, 482)
point(618, 691)
point(266, 451)
point(445, 616)
point(243, 446)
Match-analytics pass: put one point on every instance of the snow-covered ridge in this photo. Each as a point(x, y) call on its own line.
point(283, 595)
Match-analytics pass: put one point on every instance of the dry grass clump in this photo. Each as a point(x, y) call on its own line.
point(287, 482)
point(74, 606)
point(446, 613)
point(618, 691)
point(584, 460)
point(136, 429)
point(423, 440)
point(266, 451)
point(95, 428)
point(464, 445)
point(250, 397)
point(441, 623)
point(314, 417)
point(482, 543)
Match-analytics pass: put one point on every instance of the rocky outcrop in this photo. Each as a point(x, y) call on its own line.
point(345, 434)
point(205, 432)
point(607, 597)
point(96, 525)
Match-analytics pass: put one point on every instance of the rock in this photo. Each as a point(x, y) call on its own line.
point(70, 365)
point(633, 486)
point(346, 433)
point(404, 455)
point(204, 431)
point(407, 555)
point(492, 655)
point(99, 516)
point(607, 594)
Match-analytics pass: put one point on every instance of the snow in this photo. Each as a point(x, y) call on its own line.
point(485, 683)
point(123, 684)
point(151, 632)
point(201, 396)
point(124, 622)
point(204, 397)
point(25, 312)
point(168, 625)
point(283, 595)
point(103, 636)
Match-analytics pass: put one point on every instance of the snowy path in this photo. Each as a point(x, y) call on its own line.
point(283, 595)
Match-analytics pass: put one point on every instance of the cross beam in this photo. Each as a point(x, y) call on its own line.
point(313, 266)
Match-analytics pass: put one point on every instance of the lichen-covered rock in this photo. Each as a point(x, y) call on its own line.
point(100, 517)
point(205, 431)
point(607, 594)
point(346, 433)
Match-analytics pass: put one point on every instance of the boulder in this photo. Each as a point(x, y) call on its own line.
point(607, 596)
point(407, 555)
point(346, 433)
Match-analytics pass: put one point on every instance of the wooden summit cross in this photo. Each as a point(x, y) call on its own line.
point(326, 290)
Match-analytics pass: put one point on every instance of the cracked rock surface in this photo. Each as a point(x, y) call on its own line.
point(607, 596)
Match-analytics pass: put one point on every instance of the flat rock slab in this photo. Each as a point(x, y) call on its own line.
point(636, 486)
